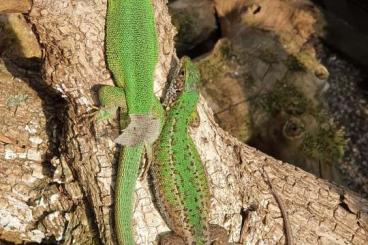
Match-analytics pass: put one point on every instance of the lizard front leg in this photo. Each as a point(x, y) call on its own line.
point(137, 128)
point(111, 98)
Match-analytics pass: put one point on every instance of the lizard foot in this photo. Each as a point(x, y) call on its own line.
point(218, 235)
point(170, 238)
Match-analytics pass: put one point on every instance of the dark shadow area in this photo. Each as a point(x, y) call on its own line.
point(346, 28)
point(203, 47)
point(29, 71)
point(54, 107)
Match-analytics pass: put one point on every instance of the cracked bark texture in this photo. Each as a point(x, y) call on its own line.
point(71, 34)
point(15, 6)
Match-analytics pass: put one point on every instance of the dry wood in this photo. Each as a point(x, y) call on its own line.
point(72, 35)
point(15, 6)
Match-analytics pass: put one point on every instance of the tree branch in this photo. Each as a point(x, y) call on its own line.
point(15, 6)
point(72, 34)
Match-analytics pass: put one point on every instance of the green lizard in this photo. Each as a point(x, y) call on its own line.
point(180, 182)
point(131, 53)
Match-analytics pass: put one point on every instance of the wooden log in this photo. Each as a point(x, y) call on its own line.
point(15, 6)
point(72, 34)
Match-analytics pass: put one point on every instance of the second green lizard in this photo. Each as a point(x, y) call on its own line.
point(180, 181)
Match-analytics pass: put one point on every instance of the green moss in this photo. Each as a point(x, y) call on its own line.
point(225, 49)
point(322, 142)
point(284, 97)
point(327, 144)
point(216, 64)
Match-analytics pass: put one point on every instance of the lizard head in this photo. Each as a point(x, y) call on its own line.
point(192, 76)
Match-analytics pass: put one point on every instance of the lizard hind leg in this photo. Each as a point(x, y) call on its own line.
point(111, 98)
point(170, 238)
point(218, 235)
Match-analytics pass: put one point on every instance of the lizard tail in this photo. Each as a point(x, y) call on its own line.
point(128, 170)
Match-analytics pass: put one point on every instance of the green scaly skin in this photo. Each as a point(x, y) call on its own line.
point(131, 52)
point(179, 178)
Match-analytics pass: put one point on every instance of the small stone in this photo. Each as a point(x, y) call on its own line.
point(36, 235)
point(10, 155)
point(35, 140)
point(31, 129)
point(22, 155)
point(34, 155)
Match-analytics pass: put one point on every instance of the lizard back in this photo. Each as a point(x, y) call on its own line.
point(131, 50)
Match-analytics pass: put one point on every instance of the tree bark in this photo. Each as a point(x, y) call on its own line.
point(72, 36)
point(15, 6)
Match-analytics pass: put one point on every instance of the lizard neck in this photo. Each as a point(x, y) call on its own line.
point(185, 105)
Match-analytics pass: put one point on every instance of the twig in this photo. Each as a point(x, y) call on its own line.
point(287, 226)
